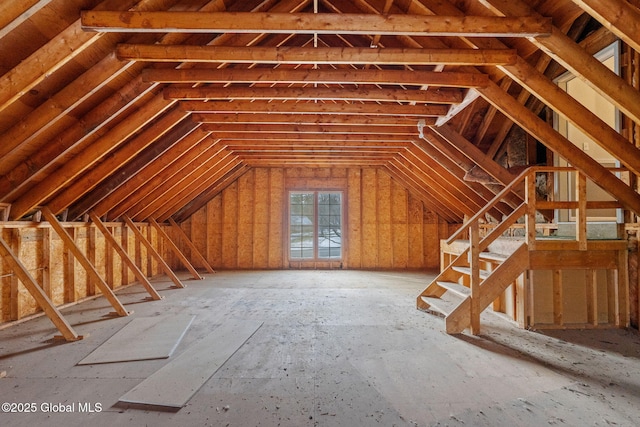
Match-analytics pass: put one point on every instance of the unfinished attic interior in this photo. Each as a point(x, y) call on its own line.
point(254, 178)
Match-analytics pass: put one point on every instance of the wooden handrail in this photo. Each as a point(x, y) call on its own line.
point(541, 205)
point(482, 212)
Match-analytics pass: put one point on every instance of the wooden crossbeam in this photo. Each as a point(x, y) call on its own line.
point(319, 55)
point(219, 129)
point(304, 144)
point(176, 281)
point(125, 256)
point(181, 256)
point(318, 136)
point(308, 119)
point(84, 261)
point(326, 76)
point(314, 108)
point(38, 294)
point(316, 23)
point(194, 251)
point(443, 96)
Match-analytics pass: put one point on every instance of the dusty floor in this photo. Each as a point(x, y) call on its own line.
point(337, 348)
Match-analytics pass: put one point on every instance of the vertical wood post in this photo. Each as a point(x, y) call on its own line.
point(592, 296)
point(530, 199)
point(557, 298)
point(14, 300)
point(581, 213)
point(474, 261)
point(623, 289)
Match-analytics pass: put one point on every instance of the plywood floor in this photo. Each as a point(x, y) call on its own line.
point(337, 348)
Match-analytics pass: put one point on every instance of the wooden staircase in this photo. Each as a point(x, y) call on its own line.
point(479, 275)
point(448, 296)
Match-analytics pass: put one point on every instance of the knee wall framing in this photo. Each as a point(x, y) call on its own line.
point(61, 276)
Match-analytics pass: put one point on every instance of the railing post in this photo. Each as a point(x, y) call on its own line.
point(581, 212)
point(474, 264)
point(530, 199)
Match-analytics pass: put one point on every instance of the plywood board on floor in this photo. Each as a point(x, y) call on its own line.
point(175, 383)
point(144, 338)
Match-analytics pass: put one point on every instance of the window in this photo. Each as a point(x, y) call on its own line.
point(315, 225)
point(605, 110)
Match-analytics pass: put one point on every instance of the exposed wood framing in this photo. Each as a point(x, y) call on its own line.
point(325, 76)
point(181, 256)
point(320, 55)
point(622, 18)
point(38, 294)
point(316, 23)
point(194, 251)
point(126, 259)
point(84, 261)
point(153, 252)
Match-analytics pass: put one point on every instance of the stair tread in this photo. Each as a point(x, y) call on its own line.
point(467, 270)
point(493, 256)
point(438, 306)
point(457, 288)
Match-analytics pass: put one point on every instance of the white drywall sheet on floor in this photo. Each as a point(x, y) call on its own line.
point(176, 382)
point(143, 338)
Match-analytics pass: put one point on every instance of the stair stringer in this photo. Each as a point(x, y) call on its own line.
point(491, 287)
point(447, 275)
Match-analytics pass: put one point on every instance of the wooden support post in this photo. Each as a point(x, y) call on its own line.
point(623, 289)
point(69, 271)
point(194, 251)
point(474, 261)
point(557, 298)
point(581, 212)
point(592, 297)
point(14, 300)
point(93, 274)
point(5, 209)
point(46, 261)
point(153, 252)
point(125, 257)
point(176, 250)
point(38, 294)
point(530, 198)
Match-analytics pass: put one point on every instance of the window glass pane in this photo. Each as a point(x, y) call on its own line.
point(329, 227)
point(301, 225)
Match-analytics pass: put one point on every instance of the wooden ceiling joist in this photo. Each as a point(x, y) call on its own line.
point(311, 55)
point(313, 23)
point(308, 119)
point(427, 110)
point(308, 76)
point(441, 96)
point(219, 129)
